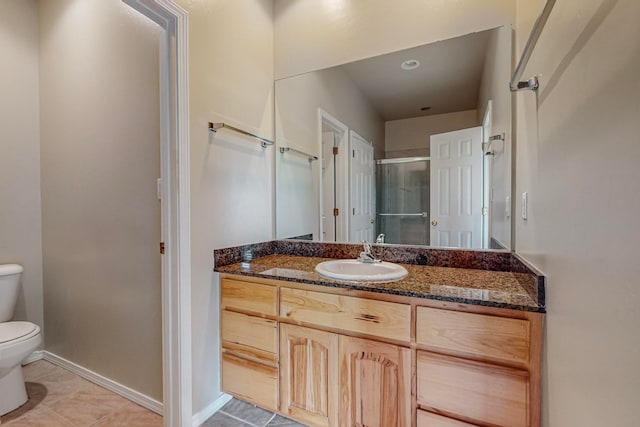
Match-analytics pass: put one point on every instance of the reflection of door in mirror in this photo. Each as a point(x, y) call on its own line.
point(361, 173)
point(456, 196)
point(333, 203)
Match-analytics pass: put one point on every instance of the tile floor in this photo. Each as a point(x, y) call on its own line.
point(242, 414)
point(59, 398)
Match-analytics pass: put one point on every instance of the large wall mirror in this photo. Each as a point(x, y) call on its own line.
point(411, 147)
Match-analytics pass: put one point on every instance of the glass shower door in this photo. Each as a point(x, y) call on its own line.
point(403, 200)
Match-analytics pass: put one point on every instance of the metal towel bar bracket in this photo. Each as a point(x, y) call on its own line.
point(302, 153)
point(213, 127)
point(532, 84)
point(499, 137)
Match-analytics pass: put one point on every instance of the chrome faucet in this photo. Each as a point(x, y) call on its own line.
point(366, 255)
point(380, 238)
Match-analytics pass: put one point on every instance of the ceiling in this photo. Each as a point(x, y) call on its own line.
point(448, 79)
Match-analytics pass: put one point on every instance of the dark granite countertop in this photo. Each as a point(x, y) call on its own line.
point(503, 289)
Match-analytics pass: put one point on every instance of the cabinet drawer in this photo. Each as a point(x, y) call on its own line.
point(472, 334)
point(250, 337)
point(365, 316)
point(248, 296)
point(486, 393)
point(428, 419)
point(250, 381)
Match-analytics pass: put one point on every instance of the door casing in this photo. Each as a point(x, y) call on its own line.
point(175, 190)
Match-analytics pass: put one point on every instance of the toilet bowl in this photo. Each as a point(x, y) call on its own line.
point(17, 341)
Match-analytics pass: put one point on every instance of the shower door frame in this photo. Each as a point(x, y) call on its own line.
point(405, 160)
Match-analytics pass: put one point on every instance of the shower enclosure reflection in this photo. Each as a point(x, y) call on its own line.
point(402, 196)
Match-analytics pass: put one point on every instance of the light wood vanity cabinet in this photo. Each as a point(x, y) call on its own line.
point(333, 357)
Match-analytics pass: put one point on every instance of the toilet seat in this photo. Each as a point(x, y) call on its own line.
point(14, 332)
point(17, 341)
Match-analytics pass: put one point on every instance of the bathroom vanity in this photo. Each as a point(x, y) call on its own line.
point(446, 346)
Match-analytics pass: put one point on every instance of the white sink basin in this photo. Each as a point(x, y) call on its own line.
point(351, 269)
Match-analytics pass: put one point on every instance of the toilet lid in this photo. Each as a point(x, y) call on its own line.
point(6, 269)
point(10, 331)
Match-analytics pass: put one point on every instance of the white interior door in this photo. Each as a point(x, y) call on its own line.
point(456, 188)
point(361, 171)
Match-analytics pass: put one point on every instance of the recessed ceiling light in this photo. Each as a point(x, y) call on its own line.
point(410, 64)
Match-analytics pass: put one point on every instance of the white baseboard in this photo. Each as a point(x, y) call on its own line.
point(122, 390)
point(36, 355)
point(211, 409)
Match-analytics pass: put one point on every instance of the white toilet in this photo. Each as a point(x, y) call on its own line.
point(17, 341)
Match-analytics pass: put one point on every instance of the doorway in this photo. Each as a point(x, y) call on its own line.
point(175, 189)
point(333, 178)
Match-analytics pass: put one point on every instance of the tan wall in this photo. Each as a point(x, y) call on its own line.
point(411, 137)
point(497, 71)
point(578, 158)
point(231, 80)
point(323, 34)
point(20, 222)
point(101, 218)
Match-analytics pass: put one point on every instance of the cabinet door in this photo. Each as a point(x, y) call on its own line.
point(375, 384)
point(309, 375)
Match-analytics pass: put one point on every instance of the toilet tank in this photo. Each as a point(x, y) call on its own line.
point(9, 286)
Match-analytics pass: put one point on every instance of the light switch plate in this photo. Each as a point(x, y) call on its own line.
point(525, 205)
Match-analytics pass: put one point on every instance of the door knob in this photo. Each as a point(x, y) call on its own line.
point(371, 220)
point(434, 222)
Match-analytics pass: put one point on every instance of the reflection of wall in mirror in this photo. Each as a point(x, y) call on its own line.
point(332, 90)
point(410, 137)
point(301, 97)
point(496, 73)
